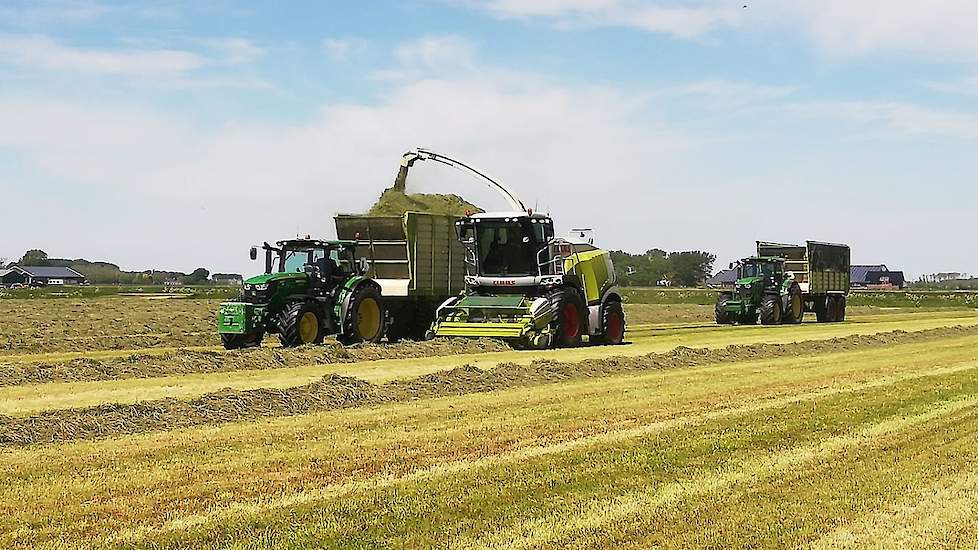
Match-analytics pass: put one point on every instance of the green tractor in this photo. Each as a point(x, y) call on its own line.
point(784, 281)
point(310, 289)
point(765, 291)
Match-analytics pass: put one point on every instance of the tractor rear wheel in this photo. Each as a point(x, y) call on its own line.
point(570, 319)
point(795, 311)
point(238, 341)
point(771, 313)
point(612, 324)
point(365, 317)
point(720, 313)
point(300, 323)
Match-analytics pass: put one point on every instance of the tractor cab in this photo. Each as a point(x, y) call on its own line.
point(766, 270)
point(329, 258)
point(509, 250)
point(302, 265)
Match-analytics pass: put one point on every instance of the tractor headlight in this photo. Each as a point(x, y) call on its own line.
point(261, 287)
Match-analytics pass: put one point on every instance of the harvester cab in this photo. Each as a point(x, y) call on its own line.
point(310, 289)
point(764, 290)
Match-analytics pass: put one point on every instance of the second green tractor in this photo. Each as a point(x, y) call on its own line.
point(784, 281)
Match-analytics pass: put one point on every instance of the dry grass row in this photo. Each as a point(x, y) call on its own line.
point(334, 391)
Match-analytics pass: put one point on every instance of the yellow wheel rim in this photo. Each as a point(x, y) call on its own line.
point(368, 318)
point(308, 327)
point(795, 306)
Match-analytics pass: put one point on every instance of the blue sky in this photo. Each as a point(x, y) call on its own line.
point(176, 134)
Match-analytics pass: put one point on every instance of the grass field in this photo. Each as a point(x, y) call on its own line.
point(122, 425)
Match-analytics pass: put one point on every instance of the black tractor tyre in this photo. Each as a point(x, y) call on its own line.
point(841, 315)
point(795, 311)
point(300, 323)
point(612, 324)
point(823, 309)
point(720, 313)
point(238, 341)
point(365, 317)
point(570, 322)
point(770, 309)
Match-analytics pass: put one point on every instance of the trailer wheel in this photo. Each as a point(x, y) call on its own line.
point(720, 313)
point(823, 309)
point(771, 313)
point(570, 319)
point(612, 324)
point(300, 323)
point(795, 310)
point(365, 317)
point(842, 310)
point(238, 341)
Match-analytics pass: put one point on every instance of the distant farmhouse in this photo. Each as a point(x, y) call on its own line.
point(229, 279)
point(876, 276)
point(723, 279)
point(41, 276)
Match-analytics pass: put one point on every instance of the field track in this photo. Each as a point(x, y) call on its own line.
point(853, 435)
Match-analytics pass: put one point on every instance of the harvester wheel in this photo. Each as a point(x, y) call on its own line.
point(570, 319)
point(720, 313)
point(365, 317)
point(300, 323)
point(612, 324)
point(795, 312)
point(771, 310)
point(238, 341)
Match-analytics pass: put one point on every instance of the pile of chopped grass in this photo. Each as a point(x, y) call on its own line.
point(395, 202)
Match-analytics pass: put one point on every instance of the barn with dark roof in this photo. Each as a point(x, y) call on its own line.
point(45, 275)
point(876, 276)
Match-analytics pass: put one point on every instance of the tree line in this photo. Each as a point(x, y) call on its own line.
point(109, 273)
point(656, 267)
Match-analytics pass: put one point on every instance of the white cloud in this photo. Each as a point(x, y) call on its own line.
point(45, 13)
point(234, 50)
point(142, 66)
point(726, 94)
point(43, 53)
point(964, 86)
point(842, 27)
point(431, 55)
point(553, 143)
point(449, 51)
point(895, 120)
point(338, 49)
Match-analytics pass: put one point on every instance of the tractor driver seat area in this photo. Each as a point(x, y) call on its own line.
point(330, 271)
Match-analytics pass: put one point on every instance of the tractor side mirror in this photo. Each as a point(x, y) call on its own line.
point(253, 253)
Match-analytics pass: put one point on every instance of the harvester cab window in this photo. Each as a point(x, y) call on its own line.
point(506, 249)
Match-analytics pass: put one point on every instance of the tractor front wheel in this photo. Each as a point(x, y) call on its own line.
point(570, 319)
point(300, 323)
point(771, 313)
point(720, 313)
point(365, 317)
